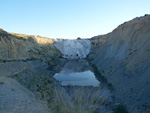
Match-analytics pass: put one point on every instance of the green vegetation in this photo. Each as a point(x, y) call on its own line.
point(51, 65)
point(20, 60)
point(1, 82)
point(78, 38)
point(12, 76)
point(110, 86)
point(132, 51)
point(8, 60)
point(89, 59)
point(97, 72)
point(120, 109)
point(36, 51)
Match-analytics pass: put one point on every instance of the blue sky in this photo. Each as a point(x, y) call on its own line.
point(68, 18)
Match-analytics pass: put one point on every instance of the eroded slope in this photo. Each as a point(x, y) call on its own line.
point(123, 57)
point(21, 47)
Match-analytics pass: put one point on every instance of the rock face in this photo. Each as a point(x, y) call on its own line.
point(20, 47)
point(123, 57)
point(74, 49)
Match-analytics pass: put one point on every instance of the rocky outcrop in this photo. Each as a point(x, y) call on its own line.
point(122, 56)
point(21, 47)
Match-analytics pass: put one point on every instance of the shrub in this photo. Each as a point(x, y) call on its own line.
point(97, 72)
point(120, 109)
point(110, 86)
point(1, 82)
point(78, 38)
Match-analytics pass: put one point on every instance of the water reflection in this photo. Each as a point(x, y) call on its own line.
point(77, 73)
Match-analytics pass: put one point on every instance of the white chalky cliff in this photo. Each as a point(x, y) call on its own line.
point(73, 49)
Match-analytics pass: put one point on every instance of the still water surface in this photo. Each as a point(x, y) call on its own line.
point(77, 73)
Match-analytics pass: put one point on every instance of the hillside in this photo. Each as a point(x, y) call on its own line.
point(122, 56)
point(24, 61)
point(22, 47)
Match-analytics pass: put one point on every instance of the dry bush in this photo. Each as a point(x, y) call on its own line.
point(79, 100)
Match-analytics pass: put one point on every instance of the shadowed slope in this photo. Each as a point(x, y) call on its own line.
point(123, 57)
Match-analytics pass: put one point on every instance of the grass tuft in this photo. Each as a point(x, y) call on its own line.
point(79, 100)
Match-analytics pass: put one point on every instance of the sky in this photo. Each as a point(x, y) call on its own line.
point(68, 19)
